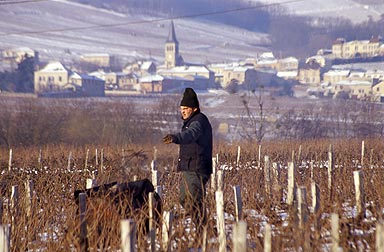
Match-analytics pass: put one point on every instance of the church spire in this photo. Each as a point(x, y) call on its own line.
point(172, 34)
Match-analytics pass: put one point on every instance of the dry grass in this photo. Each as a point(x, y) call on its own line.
point(54, 223)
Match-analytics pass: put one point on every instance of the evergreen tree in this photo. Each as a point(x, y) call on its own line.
point(24, 75)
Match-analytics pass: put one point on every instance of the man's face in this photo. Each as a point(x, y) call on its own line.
point(186, 112)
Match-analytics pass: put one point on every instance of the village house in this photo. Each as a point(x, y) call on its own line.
point(310, 73)
point(356, 48)
point(163, 84)
point(141, 68)
point(56, 78)
point(267, 60)
point(200, 76)
point(353, 89)
point(117, 80)
point(378, 91)
point(244, 76)
point(335, 75)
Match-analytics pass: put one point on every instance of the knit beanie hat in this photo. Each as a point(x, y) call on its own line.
point(190, 99)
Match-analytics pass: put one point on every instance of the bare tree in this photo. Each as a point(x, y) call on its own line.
point(254, 119)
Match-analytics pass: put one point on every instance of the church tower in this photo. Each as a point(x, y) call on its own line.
point(172, 56)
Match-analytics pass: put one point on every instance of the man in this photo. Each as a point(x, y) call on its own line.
point(195, 156)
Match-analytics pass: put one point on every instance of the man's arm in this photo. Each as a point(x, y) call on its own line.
point(190, 135)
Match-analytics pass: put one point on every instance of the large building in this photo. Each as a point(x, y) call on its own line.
point(55, 78)
point(343, 49)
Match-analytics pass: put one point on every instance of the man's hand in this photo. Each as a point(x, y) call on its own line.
point(168, 139)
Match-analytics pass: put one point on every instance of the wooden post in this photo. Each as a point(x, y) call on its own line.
point(220, 180)
point(86, 160)
point(267, 238)
point(159, 190)
point(128, 235)
point(83, 222)
point(238, 156)
point(291, 183)
point(315, 192)
point(302, 206)
point(299, 155)
point(5, 238)
point(152, 227)
point(330, 171)
point(10, 160)
point(220, 220)
point(166, 231)
point(29, 188)
point(240, 236)
point(359, 188)
point(15, 205)
point(213, 176)
point(69, 161)
point(267, 176)
point(335, 238)
point(362, 153)
point(1, 211)
point(276, 187)
point(379, 246)
point(40, 158)
point(238, 203)
point(155, 178)
point(259, 159)
point(311, 165)
point(102, 160)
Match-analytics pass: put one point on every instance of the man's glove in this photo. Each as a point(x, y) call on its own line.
point(168, 139)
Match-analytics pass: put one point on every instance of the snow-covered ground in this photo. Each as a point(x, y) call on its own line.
point(64, 30)
point(353, 10)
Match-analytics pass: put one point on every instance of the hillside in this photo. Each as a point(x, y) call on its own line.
point(64, 30)
point(354, 10)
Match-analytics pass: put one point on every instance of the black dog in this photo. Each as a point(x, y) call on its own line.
point(133, 196)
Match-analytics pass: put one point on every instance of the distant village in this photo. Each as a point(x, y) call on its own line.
point(317, 74)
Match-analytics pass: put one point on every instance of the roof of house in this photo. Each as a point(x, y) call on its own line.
point(55, 66)
point(337, 73)
point(353, 83)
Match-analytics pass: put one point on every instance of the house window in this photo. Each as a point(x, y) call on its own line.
point(60, 78)
point(378, 89)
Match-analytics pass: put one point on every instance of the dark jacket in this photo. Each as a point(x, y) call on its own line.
point(195, 141)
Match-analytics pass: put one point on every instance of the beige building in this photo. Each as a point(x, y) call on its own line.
point(378, 92)
point(119, 80)
point(200, 76)
point(287, 64)
point(334, 76)
point(353, 89)
point(244, 76)
point(356, 48)
point(56, 78)
point(310, 73)
point(159, 84)
point(141, 68)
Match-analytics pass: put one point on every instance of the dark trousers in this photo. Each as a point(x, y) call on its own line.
point(192, 194)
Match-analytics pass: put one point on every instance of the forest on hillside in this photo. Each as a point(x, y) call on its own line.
point(291, 35)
